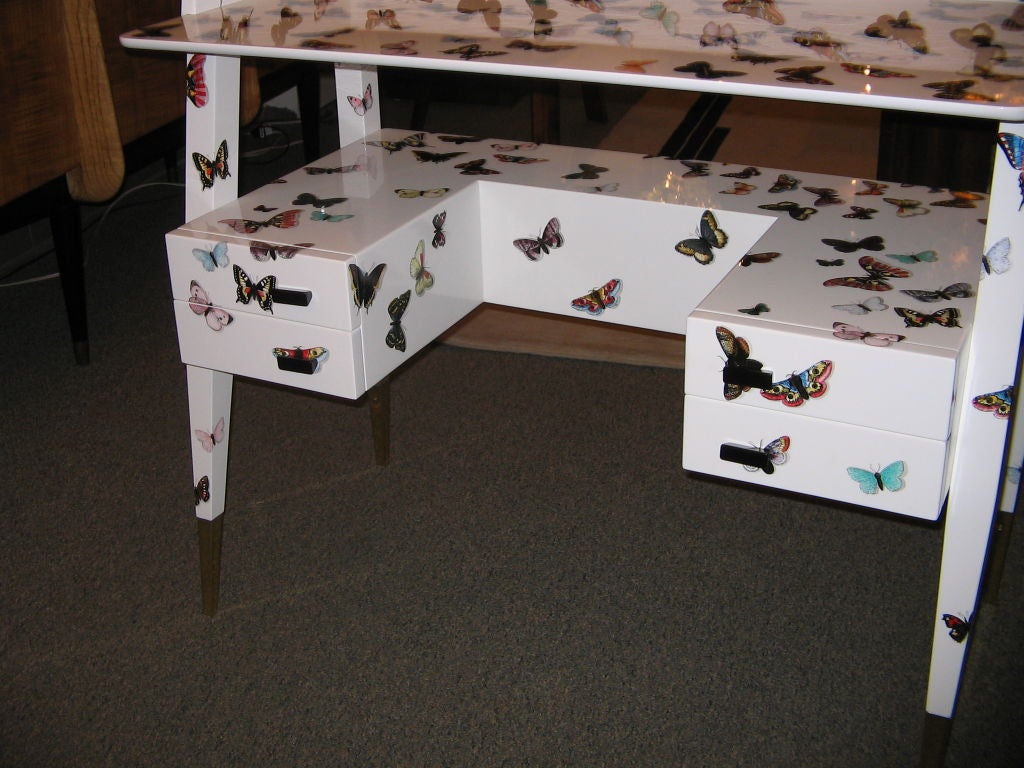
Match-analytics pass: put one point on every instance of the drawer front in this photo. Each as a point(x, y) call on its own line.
point(823, 458)
point(271, 349)
point(318, 277)
point(903, 387)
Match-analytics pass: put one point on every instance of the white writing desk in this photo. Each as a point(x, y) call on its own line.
point(943, 61)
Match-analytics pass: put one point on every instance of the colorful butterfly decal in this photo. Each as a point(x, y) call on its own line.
point(765, 257)
point(611, 28)
point(438, 222)
point(215, 169)
point(202, 490)
point(310, 358)
point(795, 390)
point(1013, 147)
point(825, 195)
point(586, 171)
point(757, 309)
point(795, 210)
point(364, 285)
point(550, 238)
point(209, 439)
point(599, 299)
point(307, 198)
point(520, 159)
point(958, 626)
point(889, 478)
point(756, 9)
point(872, 243)
point(710, 237)
point(418, 270)
point(717, 34)
point(283, 220)
point(830, 262)
point(739, 188)
point(412, 140)
point(322, 215)
point(906, 208)
point(873, 188)
point(785, 183)
point(361, 105)
point(738, 362)
point(999, 404)
point(266, 252)
point(901, 29)
point(384, 16)
point(408, 194)
point(996, 260)
point(697, 169)
point(213, 258)
point(246, 290)
point(199, 303)
point(774, 454)
point(847, 331)
point(959, 200)
point(956, 90)
point(913, 258)
point(476, 168)
point(756, 58)
point(807, 75)
point(705, 71)
point(746, 173)
point(950, 292)
point(873, 304)
point(878, 273)
point(859, 212)
point(657, 11)
point(947, 317)
point(195, 80)
point(472, 51)
point(395, 338)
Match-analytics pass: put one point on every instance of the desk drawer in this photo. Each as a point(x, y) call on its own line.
point(823, 458)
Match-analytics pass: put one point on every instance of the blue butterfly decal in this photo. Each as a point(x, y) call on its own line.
point(1013, 147)
point(215, 257)
point(889, 478)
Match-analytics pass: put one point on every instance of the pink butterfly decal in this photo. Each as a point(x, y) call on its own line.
point(361, 105)
point(283, 220)
point(847, 331)
point(599, 299)
point(209, 439)
point(550, 238)
point(195, 80)
point(199, 302)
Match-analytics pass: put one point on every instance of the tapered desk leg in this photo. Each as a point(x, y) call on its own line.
point(380, 419)
point(935, 740)
point(210, 537)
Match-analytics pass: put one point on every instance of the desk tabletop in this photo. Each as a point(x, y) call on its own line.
point(962, 58)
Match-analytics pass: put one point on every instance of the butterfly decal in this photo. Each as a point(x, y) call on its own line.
point(266, 252)
point(1013, 147)
point(526, 146)
point(825, 195)
point(872, 243)
point(384, 16)
point(774, 454)
point(901, 29)
point(612, 187)
point(696, 169)
point(873, 188)
point(195, 80)
point(435, 157)
point(956, 90)
point(859, 212)
point(262, 291)
point(757, 309)
point(958, 626)
point(438, 222)
point(906, 208)
point(599, 299)
point(869, 71)
point(947, 317)
point(412, 140)
point(611, 28)
point(878, 273)
point(959, 200)
point(746, 173)
point(999, 404)
point(873, 304)
point(212, 169)
point(657, 11)
point(265, 208)
point(401, 48)
point(889, 478)
point(364, 285)
point(996, 260)
point(202, 490)
point(418, 270)
point(738, 362)
point(913, 258)
point(718, 34)
point(521, 159)
point(312, 357)
point(307, 198)
point(459, 140)
point(322, 215)
point(361, 164)
point(756, 58)
point(476, 168)
point(785, 183)
point(806, 75)
point(283, 220)
point(765, 257)
point(847, 331)
point(756, 9)
point(209, 439)
point(710, 237)
point(830, 262)
point(490, 10)
point(795, 390)
point(795, 210)
point(408, 194)
point(360, 105)
point(213, 258)
point(472, 51)
point(535, 248)
point(395, 338)
point(739, 188)
point(586, 171)
point(527, 45)
point(705, 71)
point(950, 292)
point(199, 302)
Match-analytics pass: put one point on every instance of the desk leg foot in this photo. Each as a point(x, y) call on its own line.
point(211, 534)
point(935, 740)
point(380, 420)
point(997, 557)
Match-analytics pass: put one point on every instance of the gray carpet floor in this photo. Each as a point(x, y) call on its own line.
point(533, 580)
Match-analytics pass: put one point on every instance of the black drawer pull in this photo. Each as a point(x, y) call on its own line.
point(298, 297)
point(747, 376)
point(300, 360)
point(746, 455)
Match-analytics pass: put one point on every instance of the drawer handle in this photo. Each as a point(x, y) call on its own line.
point(300, 360)
point(298, 297)
point(747, 376)
point(746, 455)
